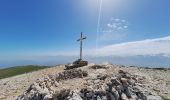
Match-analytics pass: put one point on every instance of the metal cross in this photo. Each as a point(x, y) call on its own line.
point(81, 44)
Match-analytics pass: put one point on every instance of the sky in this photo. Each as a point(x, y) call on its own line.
point(45, 31)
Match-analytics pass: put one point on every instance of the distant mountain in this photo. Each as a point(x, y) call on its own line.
point(160, 60)
point(140, 60)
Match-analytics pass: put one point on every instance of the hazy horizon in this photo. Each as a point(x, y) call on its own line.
point(139, 61)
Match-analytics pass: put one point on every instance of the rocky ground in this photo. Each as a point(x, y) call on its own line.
point(92, 82)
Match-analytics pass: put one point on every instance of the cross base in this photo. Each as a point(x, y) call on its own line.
point(76, 64)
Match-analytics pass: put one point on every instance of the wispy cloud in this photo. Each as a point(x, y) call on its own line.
point(143, 47)
point(114, 29)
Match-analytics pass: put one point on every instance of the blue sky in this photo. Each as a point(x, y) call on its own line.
point(38, 28)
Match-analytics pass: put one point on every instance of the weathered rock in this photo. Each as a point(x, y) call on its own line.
point(140, 95)
point(47, 97)
point(124, 97)
point(127, 92)
point(131, 82)
point(115, 81)
point(101, 77)
point(119, 88)
point(61, 95)
point(99, 98)
point(96, 81)
point(104, 98)
point(111, 96)
point(89, 94)
point(109, 86)
point(123, 72)
point(115, 94)
point(150, 97)
point(123, 80)
point(98, 67)
point(97, 86)
point(75, 96)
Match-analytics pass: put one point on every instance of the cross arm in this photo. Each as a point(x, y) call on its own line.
point(84, 38)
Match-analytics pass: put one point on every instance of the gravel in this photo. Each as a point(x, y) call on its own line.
point(96, 82)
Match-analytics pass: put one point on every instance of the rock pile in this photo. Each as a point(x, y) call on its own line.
point(117, 86)
point(42, 89)
point(122, 86)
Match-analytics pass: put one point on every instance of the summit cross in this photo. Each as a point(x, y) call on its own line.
point(81, 44)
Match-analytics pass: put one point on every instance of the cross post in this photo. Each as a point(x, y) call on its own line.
point(81, 44)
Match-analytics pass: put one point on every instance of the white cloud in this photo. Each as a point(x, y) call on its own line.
point(125, 26)
point(117, 24)
point(112, 25)
point(120, 28)
point(117, 19)
point(114, 29)
point(123, 20)
point(144, 47)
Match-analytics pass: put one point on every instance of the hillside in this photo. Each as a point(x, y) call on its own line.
point(101, 82)
point(12, 71)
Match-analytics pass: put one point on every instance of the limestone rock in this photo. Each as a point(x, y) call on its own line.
point(96, 85)
point(150, 97)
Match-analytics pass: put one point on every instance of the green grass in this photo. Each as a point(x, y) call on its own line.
point(164, 97)
point(12, 71)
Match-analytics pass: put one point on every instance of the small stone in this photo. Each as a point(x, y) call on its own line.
point(124, 97)
point(56, 84)
point(109, 86)
point(96, 81)
point(121, 71)
point(45, 91)
point(116, 95)
point(140, 95)
point(46, 79)
point(127, 92)
point(123, 80)
point(150, 97)
point(47, 97)
point(131, 82)
point(5, 84)
point(89, 95)
point(134, 97)
point(115, 81)
point(48, 84)
point(84, 73)
point(98, 98)
point(102, 77)
point(119, 88)
point(81, 94)
point(104, 98)
point(75, 96)
point(111, 96)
